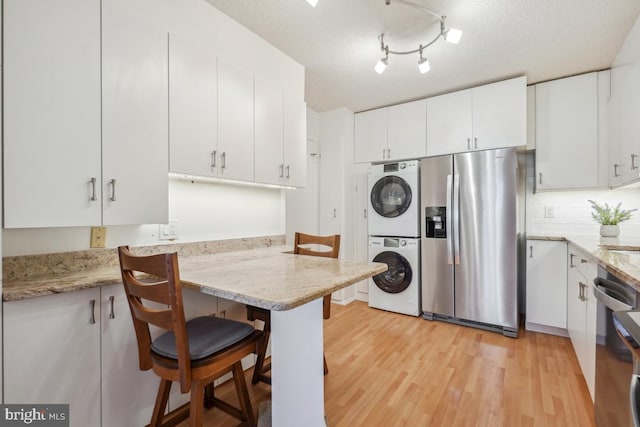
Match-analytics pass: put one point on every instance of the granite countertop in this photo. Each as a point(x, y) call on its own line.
point(620, 256)
point(263, 275)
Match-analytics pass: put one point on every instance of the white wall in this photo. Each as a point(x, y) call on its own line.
point(572, 211)
point(205, 211)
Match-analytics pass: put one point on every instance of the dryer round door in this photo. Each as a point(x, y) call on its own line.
point(391, 196)
point(398, 277)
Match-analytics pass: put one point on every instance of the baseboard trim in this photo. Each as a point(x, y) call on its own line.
point(544, 329)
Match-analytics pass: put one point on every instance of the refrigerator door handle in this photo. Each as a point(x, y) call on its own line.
point(456, 218)
point(448, 223)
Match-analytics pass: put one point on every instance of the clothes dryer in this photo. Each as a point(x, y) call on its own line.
point(398, 288)
point(394, 199)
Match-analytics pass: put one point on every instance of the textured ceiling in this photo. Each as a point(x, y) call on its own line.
point(337, 43)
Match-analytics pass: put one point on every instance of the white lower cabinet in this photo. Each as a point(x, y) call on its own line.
point(581, 312)
point(52, 353)
point(546, 286)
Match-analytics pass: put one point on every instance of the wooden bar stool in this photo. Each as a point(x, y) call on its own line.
point(301, 243)
point(193, 353)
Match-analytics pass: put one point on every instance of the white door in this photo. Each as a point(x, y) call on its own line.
point(52, 353)
point(269, 138)
point(193, 125)
point(449, 121)
point(51, 113)
point(235, 122)
point(360, 234)
point(500, 114)
point(407, 130)
point(135, 147)
point(127, 392)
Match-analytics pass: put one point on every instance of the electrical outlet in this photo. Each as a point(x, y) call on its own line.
point(169, 231)
point(98, 237)
point(549, 212)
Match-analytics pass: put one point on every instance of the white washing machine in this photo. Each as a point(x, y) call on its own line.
point(394, 199)
point(398, 288)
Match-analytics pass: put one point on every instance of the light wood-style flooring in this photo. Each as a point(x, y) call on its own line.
point(387, 369)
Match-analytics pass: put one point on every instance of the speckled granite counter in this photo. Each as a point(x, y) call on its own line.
point(607, 252)
point(264, 276)
point(47, 274)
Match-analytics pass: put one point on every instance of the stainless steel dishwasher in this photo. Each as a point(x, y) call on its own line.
point(614, 362)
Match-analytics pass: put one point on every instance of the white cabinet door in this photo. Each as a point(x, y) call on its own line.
point(407, 130)
point(51, 113)
point(269, 132)
point(235, 122)
point(135, 147)
point(630, 123)
point(531, 117)
point(370, 133)
point(547, 283)
point(567, 133)
point(576, 316)
point(619, 96)
point(193, 125)
point(52, 353)
point(295, 142)
point(500, 114)
point(449, 123)
point(127, 392)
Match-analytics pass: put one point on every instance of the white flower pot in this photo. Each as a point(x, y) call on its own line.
point(609, 230)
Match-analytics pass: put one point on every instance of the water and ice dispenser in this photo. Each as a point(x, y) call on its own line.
point(436, 222)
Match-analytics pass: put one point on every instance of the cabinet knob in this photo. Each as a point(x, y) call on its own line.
point(288, 170)
point(633, 162)
point(468, 143)
point(530, 251)
point(615, 170)
point(92, 304)
point(213, 158)
point(475, 142)
point(93, 197)
point(113, 190)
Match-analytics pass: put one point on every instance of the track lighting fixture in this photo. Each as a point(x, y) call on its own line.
point(450, 35)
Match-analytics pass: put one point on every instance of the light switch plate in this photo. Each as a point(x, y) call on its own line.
point(98, 237)
point(549, 212)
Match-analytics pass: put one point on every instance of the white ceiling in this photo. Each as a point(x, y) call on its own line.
point(337, 43)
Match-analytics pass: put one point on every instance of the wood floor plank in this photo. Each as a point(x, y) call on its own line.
point(387, 369)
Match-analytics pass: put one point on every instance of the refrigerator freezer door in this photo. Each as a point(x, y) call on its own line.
point(437, 268)
point(486, 288)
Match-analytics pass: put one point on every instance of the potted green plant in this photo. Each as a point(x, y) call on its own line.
point(609, 217)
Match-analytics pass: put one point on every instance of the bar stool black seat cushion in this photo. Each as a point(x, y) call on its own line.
point(207, 335)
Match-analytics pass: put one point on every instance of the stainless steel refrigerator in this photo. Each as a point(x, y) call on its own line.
point(469, 253)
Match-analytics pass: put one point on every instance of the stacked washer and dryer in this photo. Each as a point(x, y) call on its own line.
point(394, 236)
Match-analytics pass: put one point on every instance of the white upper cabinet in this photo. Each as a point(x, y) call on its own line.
point(407, 130)
point(391, 133)
point(567, 143)
point(193, 126)
point(235, 122)
point(295, 142)
point(449, 123)
point(52, 113)
point(269, 132)
point(624, 147)
point(481, 118)
point(370, 135)
point(135, 146)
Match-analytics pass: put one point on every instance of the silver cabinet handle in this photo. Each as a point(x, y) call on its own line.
point(530, 251)
point(468, 143)
point(224, 160)
point(633, 161)
point(571, 260)
point(581, 292)
point(388, 153)
point(213, 158)
point(92, 304)
point(456, 219)
point(540, 178)
point(475, 142)
point(335, 212)
point(93, 190)
point(288, 170)
point(448, 222)
point(585, 294)
point(615, 170)
point(113, 190)
point(384, 153)
point(365, 213)
point(112, 315)
point(281, 171)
